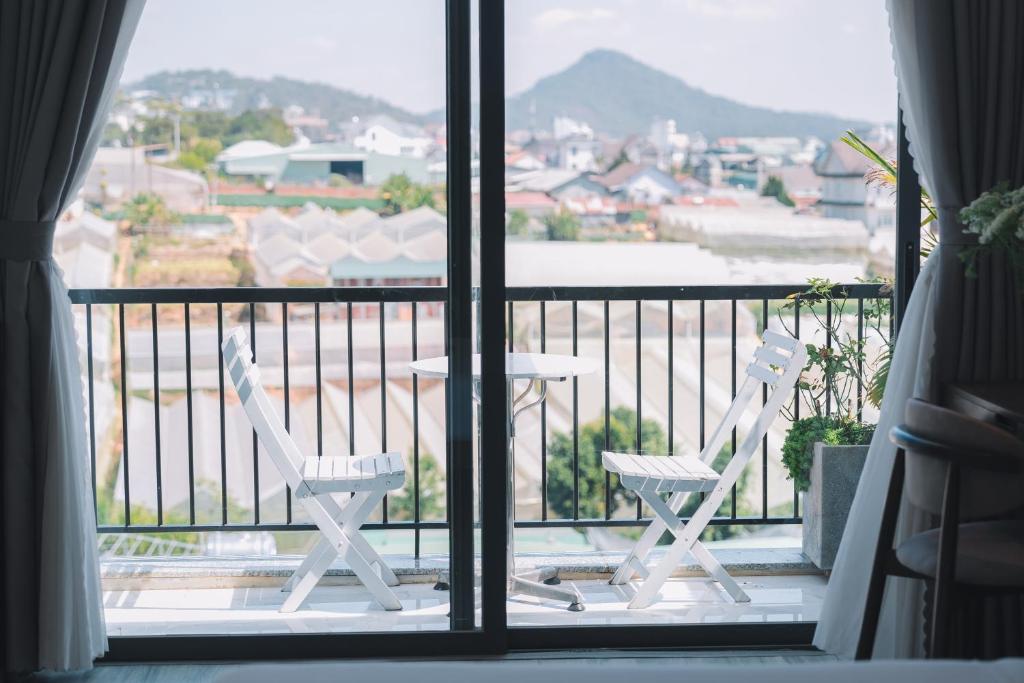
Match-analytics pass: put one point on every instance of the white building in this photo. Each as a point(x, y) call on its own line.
point(579, 153)
point(384, 135)
point(565, 127)
point(845, 192)
point(762, 225)
point(670, 144)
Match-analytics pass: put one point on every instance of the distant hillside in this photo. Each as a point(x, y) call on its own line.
point(334, 104)
point(618, 95)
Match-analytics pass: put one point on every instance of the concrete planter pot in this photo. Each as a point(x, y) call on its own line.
point(835, 471)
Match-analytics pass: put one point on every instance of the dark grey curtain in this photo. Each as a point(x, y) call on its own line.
point(59, 65)
point(966, 92)
point(960, 69)
point(963, 95)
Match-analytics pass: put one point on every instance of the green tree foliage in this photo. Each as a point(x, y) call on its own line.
point(401, 504)
point(621, 437)
point(562, 226)
point(262, 124)
point(774, 187)
point(148, 210)
point(517, 222)
point(200, 154)
point(401, 194)
point(202, 130)
point(834, 430)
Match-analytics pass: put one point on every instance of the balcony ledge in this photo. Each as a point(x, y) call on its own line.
point(153, 573)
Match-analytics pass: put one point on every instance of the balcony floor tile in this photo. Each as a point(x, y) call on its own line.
point(348, 608)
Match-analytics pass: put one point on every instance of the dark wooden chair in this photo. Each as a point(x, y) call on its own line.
point(970, 474)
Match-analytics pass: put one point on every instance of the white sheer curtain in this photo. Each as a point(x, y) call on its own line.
point(959, 70)
point(60, 63)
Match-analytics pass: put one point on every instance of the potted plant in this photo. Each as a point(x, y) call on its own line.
point(825, 449)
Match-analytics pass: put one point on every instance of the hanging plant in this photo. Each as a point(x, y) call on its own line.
point(997, 218)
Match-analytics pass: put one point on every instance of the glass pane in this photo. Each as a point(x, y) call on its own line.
point(294, 158)
point(675, 172)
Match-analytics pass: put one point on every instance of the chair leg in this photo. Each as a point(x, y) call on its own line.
point(307, 581)
point(322, 546)
point(342, 544)
point(718, 573)
point(634, 560)
point(655, 580)
point(347, 518)
point(648, 591)
point(357, 508)
point(883, 550)
point(945, 573)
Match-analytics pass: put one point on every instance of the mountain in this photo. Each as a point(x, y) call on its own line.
point(619, 96)
point(614, 93)
point(240, 93)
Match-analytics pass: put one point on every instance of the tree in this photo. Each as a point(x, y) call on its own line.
point(621, 437)
point(562, 226)
point(147, 209)
point(517, 223)
point(401, 504)
point(154, 130)
point(402, 194)
point(774, 187)
point(262, 124)
point(199, 154)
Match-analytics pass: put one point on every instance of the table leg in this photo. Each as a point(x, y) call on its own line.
point(543, 581)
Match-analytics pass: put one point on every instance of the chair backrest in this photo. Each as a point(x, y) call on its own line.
point(777, 363)
point(245, 377)
point(982, 493)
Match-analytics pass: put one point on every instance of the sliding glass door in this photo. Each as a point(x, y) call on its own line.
point(496, 240)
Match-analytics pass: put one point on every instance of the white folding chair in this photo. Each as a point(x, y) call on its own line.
point(777, 363)
point(313, 480)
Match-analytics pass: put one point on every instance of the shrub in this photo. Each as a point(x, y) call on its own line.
point(798, 448)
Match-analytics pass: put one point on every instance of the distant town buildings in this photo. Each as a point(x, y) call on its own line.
point(119, 173)
point(384, 135)
point(319, 247)
point(307, 163)
point(845, 194)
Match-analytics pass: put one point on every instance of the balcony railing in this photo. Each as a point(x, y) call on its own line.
point(668, 354)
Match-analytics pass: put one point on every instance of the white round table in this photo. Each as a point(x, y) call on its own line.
point(536, 369)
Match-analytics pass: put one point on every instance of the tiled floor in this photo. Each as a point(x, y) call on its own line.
point(349, 608)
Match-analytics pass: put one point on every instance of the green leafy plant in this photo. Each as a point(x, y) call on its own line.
point(774, 187)
point(149, 210)
point(402, 503)
point(562, 226)
point(834, 373)
point(517, 223)
point(834, 430)
point(402, 194)
point(884, 175)
point(997, 218)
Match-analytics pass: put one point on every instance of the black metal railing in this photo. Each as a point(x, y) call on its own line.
point(335, 344)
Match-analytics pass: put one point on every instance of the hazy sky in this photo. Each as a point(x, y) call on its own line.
point(819, 55)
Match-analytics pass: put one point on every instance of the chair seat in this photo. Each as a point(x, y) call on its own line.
point(989, 554)
point(661, 473)
point(336, 473)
